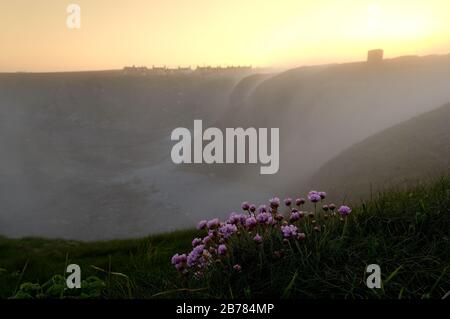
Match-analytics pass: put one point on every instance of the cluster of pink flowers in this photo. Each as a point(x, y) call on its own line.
point(289, 231)
point(258, 223)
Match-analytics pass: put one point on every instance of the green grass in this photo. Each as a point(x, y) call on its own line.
point(406, 232)
point(146, 262)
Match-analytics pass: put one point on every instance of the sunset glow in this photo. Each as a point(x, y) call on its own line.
point(34, 36)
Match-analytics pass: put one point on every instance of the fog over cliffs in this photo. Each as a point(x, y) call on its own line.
point(87, 155)
point(323, 110)
point(412, 151)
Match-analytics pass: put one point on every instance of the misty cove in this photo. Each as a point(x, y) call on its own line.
point(235, 150)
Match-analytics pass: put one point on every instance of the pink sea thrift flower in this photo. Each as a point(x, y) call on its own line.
point(274, 202)
point(207, 238)
point(237, 267)
point(264, 218)
point(257, 239)
point(314, 197)
point(196, 242)
point(262, 209)
point(250, 222)
point(295, 215)
point(299, 201)
point(175, 259)
point(196, 258)
point(288, 201)
point(234, 218)
point(213, 223)
point(202, 224)
point(289, 231)
point(227, 230)
point(222, 249)
point(344, 210)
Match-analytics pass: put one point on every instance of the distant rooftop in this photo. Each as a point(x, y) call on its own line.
point(163, 70)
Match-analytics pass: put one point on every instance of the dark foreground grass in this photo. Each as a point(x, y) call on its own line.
point(406, 232)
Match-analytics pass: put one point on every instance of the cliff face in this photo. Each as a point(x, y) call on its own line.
point(324, 110)
point(409, 152)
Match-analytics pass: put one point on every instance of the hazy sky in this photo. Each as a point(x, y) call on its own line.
point(114, 33)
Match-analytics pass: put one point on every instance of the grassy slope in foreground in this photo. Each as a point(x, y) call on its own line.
point(405, 232)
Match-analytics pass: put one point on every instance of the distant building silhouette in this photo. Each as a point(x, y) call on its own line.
point(202, 70)
point(182, 70)
point(135, 70)
point(375, 56)
point(159, 70)
point(206, 70)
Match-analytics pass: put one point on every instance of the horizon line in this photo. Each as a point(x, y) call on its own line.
point(215, 65)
